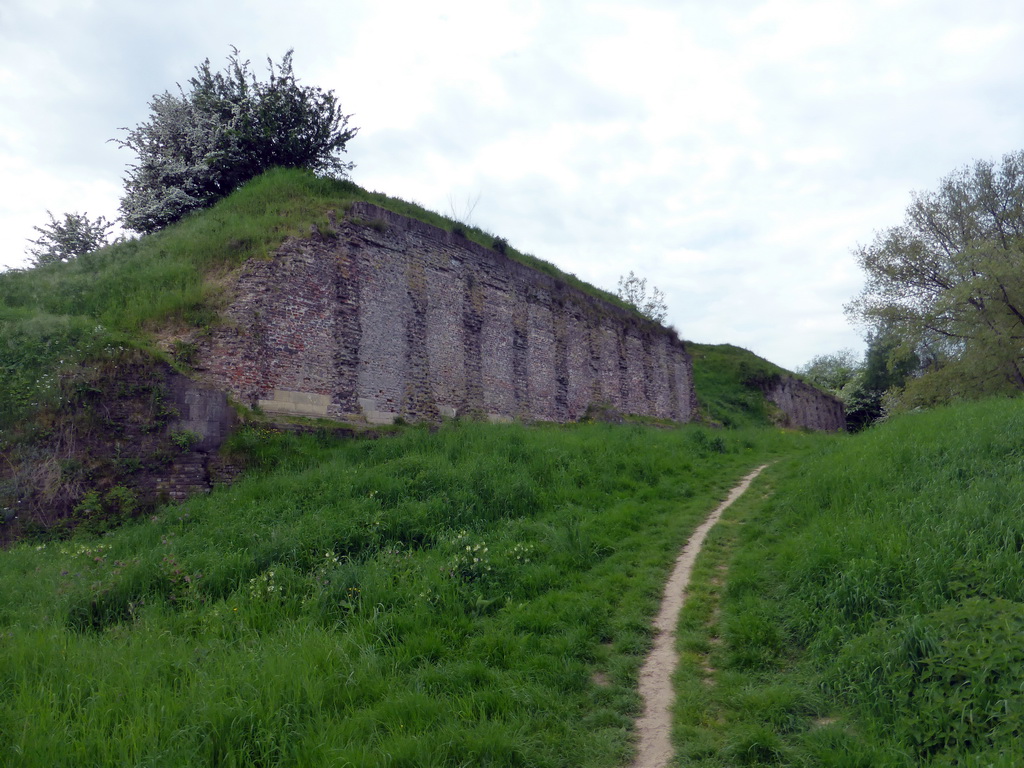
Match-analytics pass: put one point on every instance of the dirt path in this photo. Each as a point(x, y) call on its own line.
point(654, 726)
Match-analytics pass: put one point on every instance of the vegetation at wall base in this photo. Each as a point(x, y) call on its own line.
point(478, 593)
point(873, 605)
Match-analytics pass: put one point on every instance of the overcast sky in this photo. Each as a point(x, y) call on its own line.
point(731, 152)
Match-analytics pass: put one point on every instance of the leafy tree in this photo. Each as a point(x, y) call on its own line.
point(633, 291)
point(868, 387)
point(202, 143)
point(68, 238)
point(948, 283)
point(832, 372)
point(887, 367)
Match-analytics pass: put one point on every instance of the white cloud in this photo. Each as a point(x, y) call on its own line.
point(732, 152)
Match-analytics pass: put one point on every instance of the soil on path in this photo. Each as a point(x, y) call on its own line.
point(654, 748)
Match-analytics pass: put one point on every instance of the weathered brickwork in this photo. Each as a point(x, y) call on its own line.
point(805, 406)
point(390, 317)
point(133, 434)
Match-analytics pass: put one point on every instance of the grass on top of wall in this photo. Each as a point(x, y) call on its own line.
point(476, 595)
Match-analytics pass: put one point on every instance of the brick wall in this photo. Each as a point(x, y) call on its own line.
point(392, 317)
point(806, 406)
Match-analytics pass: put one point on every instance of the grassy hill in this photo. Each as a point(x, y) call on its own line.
point(482, 594)
point(873, 607)
point(476, 595)
point(725, 377)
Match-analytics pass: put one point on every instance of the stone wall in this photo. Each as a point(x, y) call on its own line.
point(131, 429)
point(389, 317)
point(805, 406)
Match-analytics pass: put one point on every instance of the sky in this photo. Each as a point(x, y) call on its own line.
point(734, 153)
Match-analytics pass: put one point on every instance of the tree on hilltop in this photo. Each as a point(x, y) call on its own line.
point(66, 239)
point(832, 372)
point(633, 291)
point(202, 143)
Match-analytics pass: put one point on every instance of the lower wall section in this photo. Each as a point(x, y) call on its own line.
point(130, 436)
point(394, 318)
point(805, 406)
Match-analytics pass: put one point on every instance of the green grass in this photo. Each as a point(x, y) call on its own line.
point(478, 595)
point(725, 378)
point(873, 606)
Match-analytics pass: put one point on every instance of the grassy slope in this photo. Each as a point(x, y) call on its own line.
point(375, 652)
point(874, 605)
point(722, 374)
point(475, 596)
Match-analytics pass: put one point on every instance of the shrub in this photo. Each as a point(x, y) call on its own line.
point(229, 127)
point(69, 238)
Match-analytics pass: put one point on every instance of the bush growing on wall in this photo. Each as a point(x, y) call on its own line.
point(227, 128)
point(633, 291)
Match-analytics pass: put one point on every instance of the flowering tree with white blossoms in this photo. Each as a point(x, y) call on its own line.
point(227, 127)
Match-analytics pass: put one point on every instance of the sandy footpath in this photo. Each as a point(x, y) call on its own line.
point(655, 725)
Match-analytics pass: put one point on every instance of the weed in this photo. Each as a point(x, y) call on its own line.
point(185, 439)
point(184, 352)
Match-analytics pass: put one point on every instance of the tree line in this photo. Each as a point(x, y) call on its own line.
point(943, 300)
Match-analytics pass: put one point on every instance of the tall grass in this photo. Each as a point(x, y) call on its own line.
point(477, 595)
point(873, 610)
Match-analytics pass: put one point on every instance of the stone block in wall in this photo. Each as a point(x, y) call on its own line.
point(203, 411)
point(296, 403)
point(373, 415)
